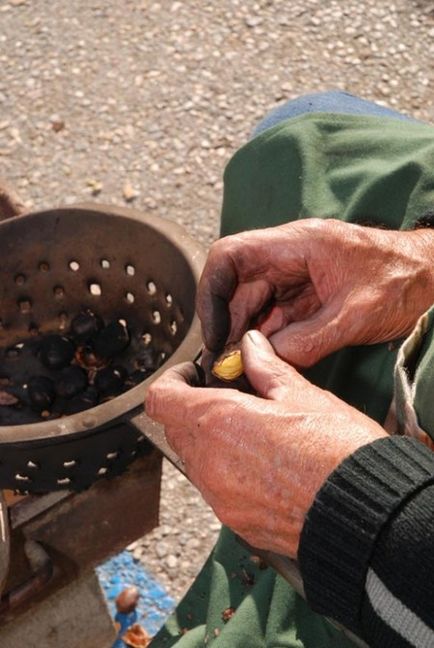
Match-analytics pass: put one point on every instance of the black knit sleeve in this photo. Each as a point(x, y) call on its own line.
point(367, 547)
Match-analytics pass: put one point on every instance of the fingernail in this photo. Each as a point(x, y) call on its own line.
point(255, 337)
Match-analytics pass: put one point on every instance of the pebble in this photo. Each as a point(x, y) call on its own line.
point(161, 549)
point(171, 561)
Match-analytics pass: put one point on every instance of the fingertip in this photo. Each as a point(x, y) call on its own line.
point(149, 403)
point(254, 342)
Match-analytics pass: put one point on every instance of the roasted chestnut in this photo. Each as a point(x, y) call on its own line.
point(71, 381)
point(109, 381)
point(41, 392)
point(56, 351)
point(136, 377)
point(146, 360)
point(85, 325)
point(113, 339)
point(81, 402)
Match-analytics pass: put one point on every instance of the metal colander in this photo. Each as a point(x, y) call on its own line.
point(121, 264)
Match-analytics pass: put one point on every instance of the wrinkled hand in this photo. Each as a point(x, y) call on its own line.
point(258, 460)
point(324, 285)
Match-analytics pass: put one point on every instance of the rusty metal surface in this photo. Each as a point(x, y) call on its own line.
point(77, 531)
point(88, 526)
point(101, 242)
point(74, 616)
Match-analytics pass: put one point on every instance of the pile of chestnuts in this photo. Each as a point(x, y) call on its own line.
point(86, 366)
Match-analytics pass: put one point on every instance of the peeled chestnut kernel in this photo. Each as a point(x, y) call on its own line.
point(41, 392)
point(85, 325)
point(56, 351)
point(113, 339)
point(71, 381)
point(229, 366)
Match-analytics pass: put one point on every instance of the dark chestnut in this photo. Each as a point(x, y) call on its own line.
point(109, 381)
point(81, 402)
point(71, 381)
point(147, 360)
point(41, 392)
point(136, 377)
point(85, 325)
point(113, 339)
point(56, 351)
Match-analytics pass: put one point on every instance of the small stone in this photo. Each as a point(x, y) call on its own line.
point(128, 192)
point(57, 123)
point(253, 21)
point(165, 530)
point(172, 561)
point(192, 543)
point(95, 186)
point(215, 526)
point(161, 549)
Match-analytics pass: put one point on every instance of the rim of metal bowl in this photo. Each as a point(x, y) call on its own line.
point(93, 418)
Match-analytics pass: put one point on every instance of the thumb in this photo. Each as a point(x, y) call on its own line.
point(270, 376)
point(306, 342)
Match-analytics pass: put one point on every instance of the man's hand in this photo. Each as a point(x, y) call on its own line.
point(322, 284)
point(258, 460)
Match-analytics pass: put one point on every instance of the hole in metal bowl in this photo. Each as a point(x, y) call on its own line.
point(105, 264)
point(25, 305)
point(151, 287)
point(64, 481)
point(22, 478)
point(130, 297)
point(130, 270)
point(156, 317)
point(147, 338)
point(58, 292)
point(33, 464)
point(112, 455)
point(169, 299)
point(44, 266)
point(70, 464)
point(95, 289)
point(33, 329)
point(173, 326)
point(63, 321)
point(74, 265)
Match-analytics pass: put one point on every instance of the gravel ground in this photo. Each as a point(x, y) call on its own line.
point(144, 102)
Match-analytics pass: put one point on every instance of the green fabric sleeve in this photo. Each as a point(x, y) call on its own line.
point(358, 169)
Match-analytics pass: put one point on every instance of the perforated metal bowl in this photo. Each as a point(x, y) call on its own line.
point(121, 264)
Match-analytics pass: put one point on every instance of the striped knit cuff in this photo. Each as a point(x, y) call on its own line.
point(349, 512)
